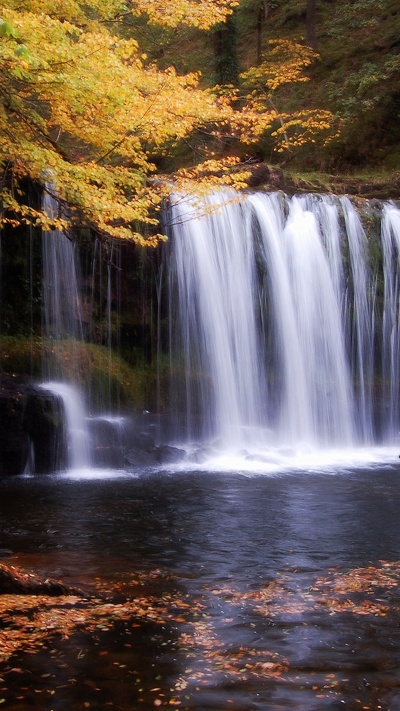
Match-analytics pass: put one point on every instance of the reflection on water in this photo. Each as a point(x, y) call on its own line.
point(249, 606)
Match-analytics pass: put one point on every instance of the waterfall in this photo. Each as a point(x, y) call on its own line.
point(284, 322)
point(61, 282)
point(391, 316)
point(77, 430)
point(62, 317)
point(213, 266)
point(362, 326)
point(310, 358)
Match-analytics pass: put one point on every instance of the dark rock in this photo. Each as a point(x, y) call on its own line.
point(143, 440)
point(265, 175)
point(14, 439)
point(108, 442)
point(108, 456)
point(44, 422)
point(137, 457)
point(166, 454)
point(31, 418)
point(201, 455)
point(259, 175)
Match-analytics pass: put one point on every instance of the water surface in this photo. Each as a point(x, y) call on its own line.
point(253, 566)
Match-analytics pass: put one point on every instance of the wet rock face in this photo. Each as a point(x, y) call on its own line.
point(107, 442)
point(44, 421)
point(14, 440)
point(32, 422)
point(143, 450)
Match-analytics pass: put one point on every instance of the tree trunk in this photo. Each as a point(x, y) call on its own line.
point(226, 64)
point(262, 15)
point(311, 33)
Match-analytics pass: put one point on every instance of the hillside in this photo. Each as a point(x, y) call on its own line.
point(356, 74)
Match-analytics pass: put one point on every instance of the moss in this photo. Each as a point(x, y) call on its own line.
point(106, 379)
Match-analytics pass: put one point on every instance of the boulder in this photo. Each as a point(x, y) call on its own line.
point(108, 442)
point(201, 455)
point(14, 439)
point(166, 454)
point(32, 428)
point(44, 422)
point(137, 457)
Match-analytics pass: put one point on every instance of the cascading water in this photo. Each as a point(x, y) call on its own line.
point(62, 315)
point(284, 325)
point(361, 328)
point(276, 324)
point(315, 404)
point(61, 292)
point(391, 316)
point(77, 431)
point(214, 265)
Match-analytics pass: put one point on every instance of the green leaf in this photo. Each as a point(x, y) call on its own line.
point(7, 30)
point(23, 52)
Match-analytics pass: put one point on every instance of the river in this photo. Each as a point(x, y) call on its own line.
point(260, 591)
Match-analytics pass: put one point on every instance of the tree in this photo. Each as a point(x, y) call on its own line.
point(311, 28)
point(226, 63)
point(83, 114)
point(284, 64)
point(87, 116)
point(363, 87)
point(262, 13)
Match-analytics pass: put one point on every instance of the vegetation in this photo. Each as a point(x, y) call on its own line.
point(107, 380)
point(356, 76)
point(90, 115)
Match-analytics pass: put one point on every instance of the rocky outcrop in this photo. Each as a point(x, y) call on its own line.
point(32, 429)
point(14, 440)
point(143, 449)
point(44, 422)
point(108, 442)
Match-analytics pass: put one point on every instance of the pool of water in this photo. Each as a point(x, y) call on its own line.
point(257, 592)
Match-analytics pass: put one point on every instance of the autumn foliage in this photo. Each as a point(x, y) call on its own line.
point(88, 117)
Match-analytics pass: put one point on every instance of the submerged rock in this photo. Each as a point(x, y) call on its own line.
point(161, 454)
point(201, 455)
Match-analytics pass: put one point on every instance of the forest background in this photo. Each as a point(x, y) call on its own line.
point(109, 103)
